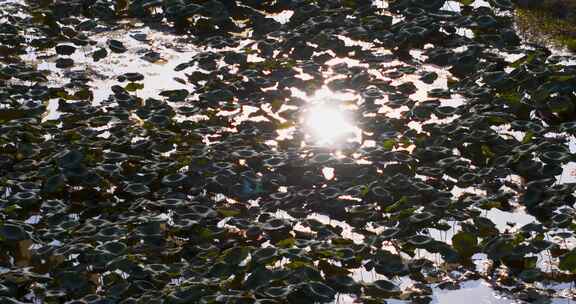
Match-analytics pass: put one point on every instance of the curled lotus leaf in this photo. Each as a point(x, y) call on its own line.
point(116, 46)
point(134, 76)
point(73, 282)
point(390, 233)
point(189, 294)
point(502, 4)
point(486, 21)
point(99, 54)
point(441, 203)
point(440, 93)
point(65, 49)
point(25, 198)
point(245, 153)
point(318, 292)
point(429, 77)
point(384, 288)
point(538, 246)
point(568, 261)
point(394, 74)
point(390, 264)
point(260, 278)
point(71, 159)
point(380, 193)
point(435, 152)
point(137, 189)
point(175, 95)
point(264, 255)
point(421, 217)
point(555, 157)
point(329, 193)
point(525, 125)
point(467, 179)
point(420, 241)
point(562, 219)
point(275, 224)
point(171, 203)
point(568, 127)
point(343, 284)
point(201, 211)
point(372, 93)
point(465, 243)
point(429, 5)
point(280, 195)
point(445, 111)
point(109, 233)
point(414, 12)
point(158, 268)
point(13, 232)
point(278, 292)
point(531, 275)
point(274, 162)
point(144, 286)
point(55, 293)
point(115, 156)
point(100, 121)
point(64, 63)
point(175, 180)
point(115, 248)
point(321, 159)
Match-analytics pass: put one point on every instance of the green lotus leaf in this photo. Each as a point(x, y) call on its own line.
point(390, 264)
point(344, 284)
point(261, 277)
point(175, 95)
point(73, 282)
point(115, 248)
point(235, 255)
point(486, 21)
point(502, 4)
point(422, 217)
point(264, 255)
point(568, 261)
point(465, 243)
point(175, 180)
point(383, 288)
point(278, 292)
point(429, 77)
point(420, 241)
point(555, 157)
point(99, 54)
point(116, 46)
point(318, 292)
point(13, 232)
point(531, 275)
point(64, 49)
point(64, 63)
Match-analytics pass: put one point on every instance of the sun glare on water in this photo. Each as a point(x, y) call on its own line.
point(328, 119)
point(328, 124)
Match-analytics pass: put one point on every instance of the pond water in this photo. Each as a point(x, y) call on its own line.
point(283, 152)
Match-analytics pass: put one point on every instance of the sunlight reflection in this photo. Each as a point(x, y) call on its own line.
point(329, 120)
point(328, 124)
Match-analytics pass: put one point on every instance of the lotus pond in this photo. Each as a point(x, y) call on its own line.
point(287, 151)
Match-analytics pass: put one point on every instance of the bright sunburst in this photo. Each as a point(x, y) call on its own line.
point(328, 118)
point(327, 124)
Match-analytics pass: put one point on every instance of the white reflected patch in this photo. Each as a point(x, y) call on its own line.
point(328, 120)
point(328, 124)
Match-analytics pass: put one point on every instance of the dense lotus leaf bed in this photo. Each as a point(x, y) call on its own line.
point(543, 25)
point(187, 151)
